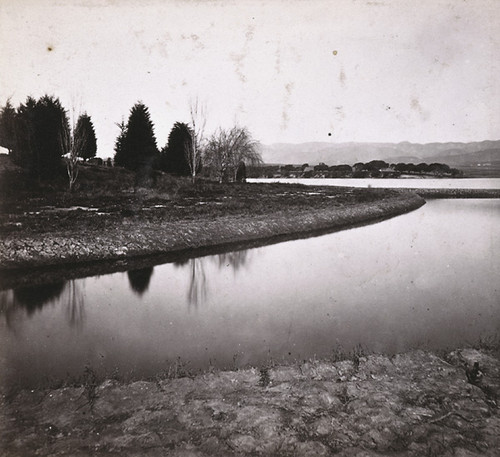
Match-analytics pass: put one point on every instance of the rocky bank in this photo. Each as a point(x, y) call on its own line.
point(134, 238)
point(413, 404)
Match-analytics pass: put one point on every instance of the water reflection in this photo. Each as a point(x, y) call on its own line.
point(198, 289)
point(139, 279)
point(33, 298)
point(197, 292)
point(75, 304)
point(426, 279)
point(236, 259)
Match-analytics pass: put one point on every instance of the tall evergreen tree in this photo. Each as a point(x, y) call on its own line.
point(119, 140)
point(51, 127)
point(174, 157)
point(137, 148)
point(85, 136)
point(41, 133)
point(7, 127)
point(24, 151)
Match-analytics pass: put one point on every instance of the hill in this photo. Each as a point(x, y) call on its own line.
point(452, 153)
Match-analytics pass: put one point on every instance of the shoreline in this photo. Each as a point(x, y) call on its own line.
point(411, 404)
point(141, 243)
point(456, 193)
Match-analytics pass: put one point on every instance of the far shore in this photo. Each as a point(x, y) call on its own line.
point(457, 193)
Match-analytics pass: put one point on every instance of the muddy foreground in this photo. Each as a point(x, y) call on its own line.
point(414, 404)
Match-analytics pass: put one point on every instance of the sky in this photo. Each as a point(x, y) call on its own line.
point(289, 70)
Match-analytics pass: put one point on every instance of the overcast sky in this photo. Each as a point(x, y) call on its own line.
point(291, 71)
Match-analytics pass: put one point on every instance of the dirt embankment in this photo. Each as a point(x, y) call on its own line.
point(414, 404)
point(127, 238)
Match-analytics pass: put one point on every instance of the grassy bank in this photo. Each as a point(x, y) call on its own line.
point(414, 404)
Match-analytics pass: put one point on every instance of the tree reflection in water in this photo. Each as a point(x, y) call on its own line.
point(198, 284)
point(197, 289)
point(70, 293)
point(139, 279)
point(7, 305)
point(75, 306)
point(235, 259)
point(34, 298)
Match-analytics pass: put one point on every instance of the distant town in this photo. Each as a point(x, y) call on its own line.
point(372, 169)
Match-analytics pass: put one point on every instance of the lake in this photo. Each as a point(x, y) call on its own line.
point(426, 279)
point(406, 183)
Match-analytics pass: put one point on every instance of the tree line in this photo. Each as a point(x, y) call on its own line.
point(38, 134)
point(372, 169)
point(223, 156)
point(40, 138)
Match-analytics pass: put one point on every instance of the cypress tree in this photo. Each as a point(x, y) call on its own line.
point(7, 127)
point(174, 154)
point(136, 145)
point(85, 136)
point(41, 133)
point(23, 152)
point(119, 142)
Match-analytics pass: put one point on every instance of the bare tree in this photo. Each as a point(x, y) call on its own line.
point(226, 149)
point(216, 154)
point(66, 140)
point(75, 141)
point(75, 147)
point(193, 149)
point(72, 168)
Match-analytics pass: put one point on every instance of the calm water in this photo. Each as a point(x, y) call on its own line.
point(425, 279)
point(406, 183)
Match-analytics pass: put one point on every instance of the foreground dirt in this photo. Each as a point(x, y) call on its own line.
point(414, 404)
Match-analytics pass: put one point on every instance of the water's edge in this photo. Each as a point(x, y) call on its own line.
point(332, 406)
point(34, 260)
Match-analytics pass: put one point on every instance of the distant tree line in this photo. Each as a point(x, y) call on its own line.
point(372, 169)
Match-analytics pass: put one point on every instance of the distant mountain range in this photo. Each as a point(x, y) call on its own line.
point(453, 154)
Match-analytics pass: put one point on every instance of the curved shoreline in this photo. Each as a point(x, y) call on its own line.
point(66, 256)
